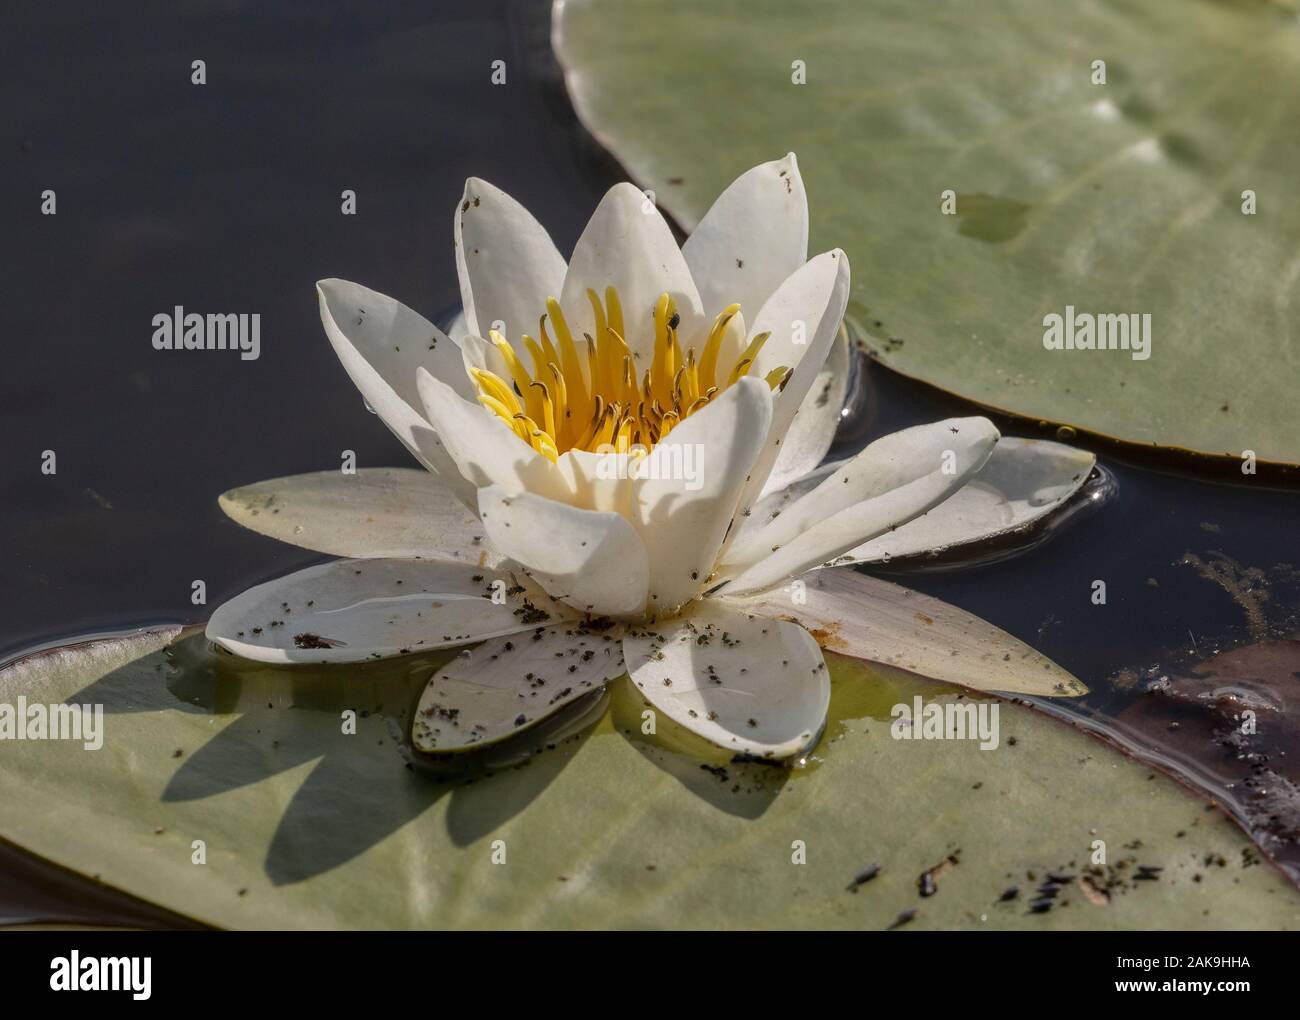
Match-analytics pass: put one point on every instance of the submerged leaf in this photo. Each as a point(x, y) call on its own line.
point(1231, 722)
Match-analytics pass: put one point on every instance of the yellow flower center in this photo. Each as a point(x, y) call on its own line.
point(590, 396)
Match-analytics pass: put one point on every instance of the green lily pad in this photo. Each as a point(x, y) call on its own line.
point(1123, 197)
point(305, 825)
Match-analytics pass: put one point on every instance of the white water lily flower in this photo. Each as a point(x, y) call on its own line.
point(623, 477)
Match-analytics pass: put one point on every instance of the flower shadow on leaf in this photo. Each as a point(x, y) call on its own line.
point(740, 788)
point(365, 785)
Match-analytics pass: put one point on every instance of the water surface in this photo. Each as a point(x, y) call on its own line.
point(226, 198)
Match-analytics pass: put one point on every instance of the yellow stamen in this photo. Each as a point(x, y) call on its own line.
point(661, 367)
point(615, 311)
point(545, 445)
point(563, 410)
point(495, 406)
point(692, 377)
point(713, 346)
point(548, 409)
point(570, 360)
point(748, 357)
point(539, 440)
point(517, 372)
point(496, 387)
point(589, 433)
point(605, 430)
point(536, 353)
point(577, 398)
point(776, 379)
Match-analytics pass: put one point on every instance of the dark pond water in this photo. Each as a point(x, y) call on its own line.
point(225, 197)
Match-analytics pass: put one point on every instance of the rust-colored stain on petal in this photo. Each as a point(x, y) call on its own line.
point(826, 637)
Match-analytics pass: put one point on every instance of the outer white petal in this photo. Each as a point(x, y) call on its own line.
point(689, 486)
point(390, 512)
point(854, 614)
point(812, 432)
point(382, 345)
point(388, 338)
point(627, 245)
point(895, 479)
point(589, 559)
point(483, 447)
point(752, 685)
point(356, 610)
point(506, 685)
point(1024, 480)
point(754, 236)
point(803, 317)
point(582, 714)
point(507, 263)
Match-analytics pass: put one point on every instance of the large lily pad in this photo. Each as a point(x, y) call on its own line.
point(1123, 197)
point(306, 825)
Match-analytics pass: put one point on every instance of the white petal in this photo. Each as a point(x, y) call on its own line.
point(589, 559)
point(1024, 480)
point(581, 715)
point(689, 486)
point(754, 236)
point(506, 685)
point(896, 478)
point(382, 345)
point(940, 454)
point(854, 614)
point(599, 481)
point(752, 685)
point(483, 447)
point(778, 501)
point(812, 432)
point(390, 512)
point(369, 609)
point(507, 263)
point(628, 245)
point(458, 328)
point(803, 317)
point(479, 353)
